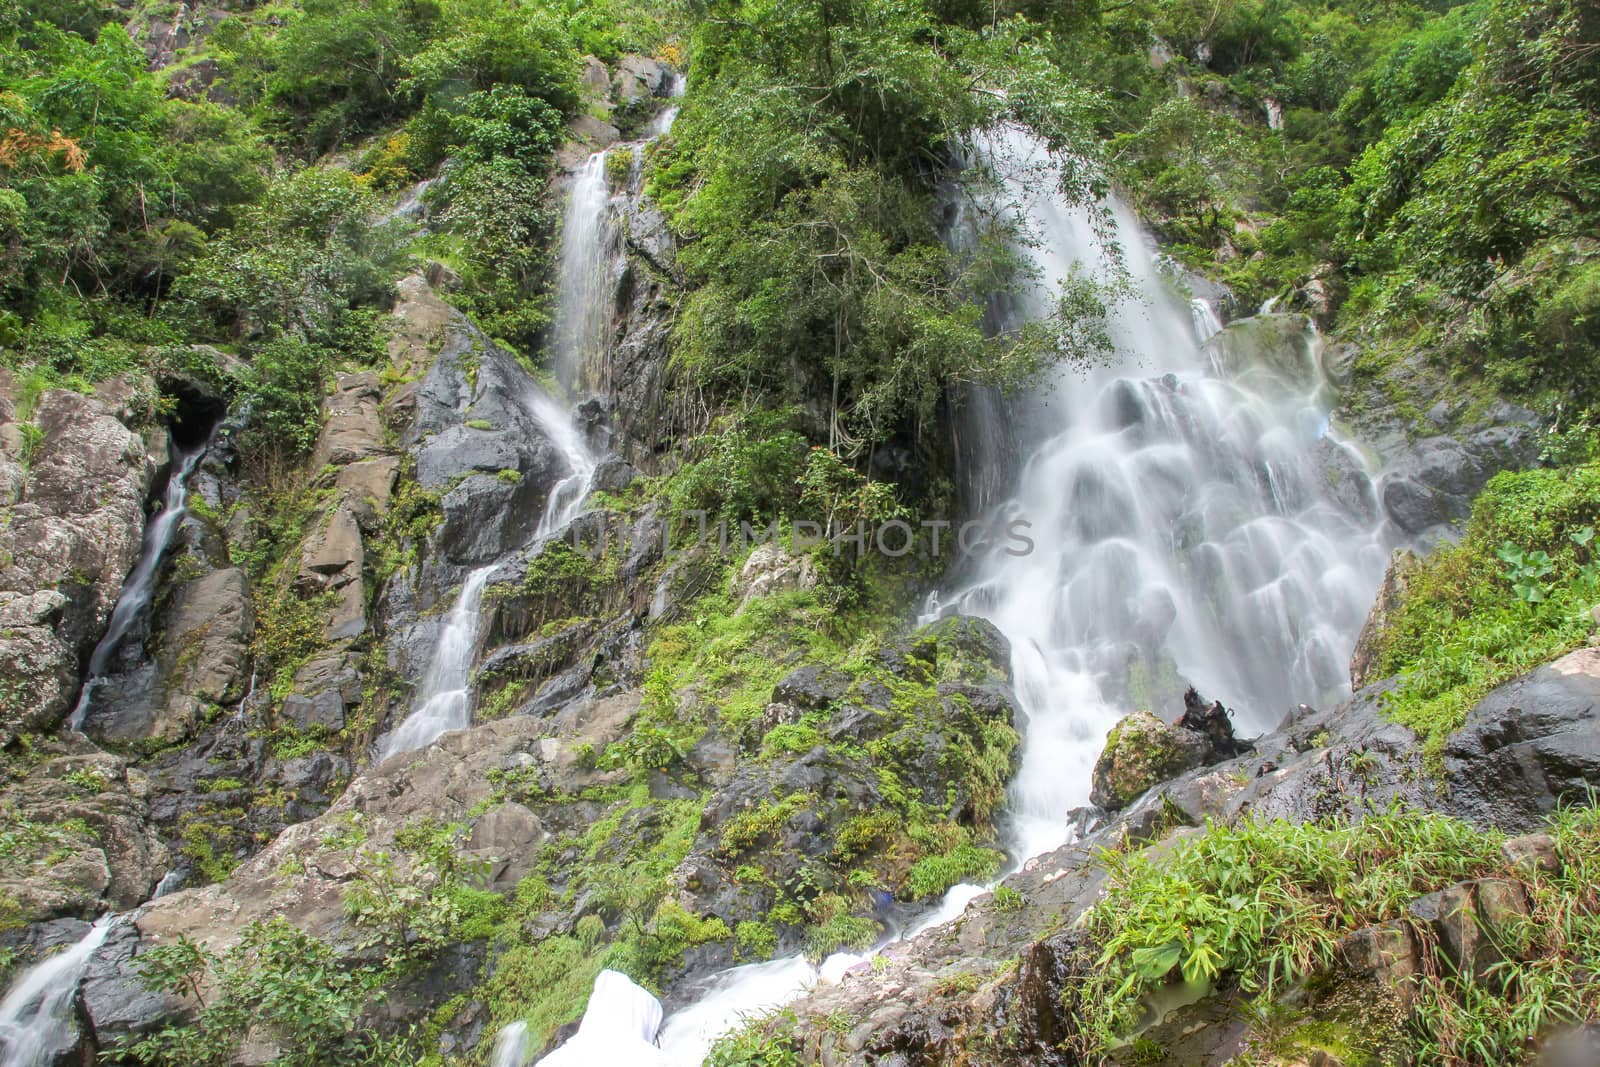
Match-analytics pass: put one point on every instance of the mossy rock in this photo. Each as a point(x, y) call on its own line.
point(1141, 752)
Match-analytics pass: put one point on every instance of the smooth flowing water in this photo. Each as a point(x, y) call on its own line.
point(444, 702)
point(1182, 529)
point(566, 496)
point(36, 1018)
point(581, 269)
point(510, 1046)
point(139, 588)
point(1204, 320)
point(732, 996)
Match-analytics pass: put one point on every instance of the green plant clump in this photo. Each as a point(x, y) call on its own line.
point(1516, 592)
point(1262, 905)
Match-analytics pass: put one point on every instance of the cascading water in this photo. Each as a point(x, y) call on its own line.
point(139, 588)
point(731, 996)
point(1181, 534)
point(36, 1017)
point(661, 124)
point(581, 274)
point(566, 496)
point(445, 701)
point(1204, 320)
point(510, 1046)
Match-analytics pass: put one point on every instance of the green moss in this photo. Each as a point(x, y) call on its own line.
point(757, 940)
point(1140, 751)
point(413, 514)
point(205, 844)
point(748, 828)
point(931, 875)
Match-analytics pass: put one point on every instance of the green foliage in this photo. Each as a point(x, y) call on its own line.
point(1262, 903)
point(801, 176)
point(1515, 593)
point(102, 179)
point(932, 875)
point(1262, 906)
point(415, 903)
point(841, 933)
point(1546, 981)
point(757, 940)
point(747, 468)
point(766, 1042)
point(277, 981)
point(724, 660)
point(1007, 899)
point(290, 628)
point(630, 924)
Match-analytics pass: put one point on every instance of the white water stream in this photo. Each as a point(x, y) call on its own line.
point(444, 702)
point(36, 1018)
point(140, 586)
point(1181, 530)
point(581, 274)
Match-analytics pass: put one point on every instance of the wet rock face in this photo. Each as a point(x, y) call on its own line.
point(1529, 745)
point(73, 503)
point(200, 662)
point(1391, 594)
point(1434, 465)
point(477, 437)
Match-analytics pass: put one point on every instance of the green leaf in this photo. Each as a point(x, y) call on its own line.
point(1156, 962)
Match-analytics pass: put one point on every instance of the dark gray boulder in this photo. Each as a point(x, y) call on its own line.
point(1528, 746)
point(115, 1002)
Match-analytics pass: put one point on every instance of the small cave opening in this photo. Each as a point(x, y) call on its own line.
point(196, 409)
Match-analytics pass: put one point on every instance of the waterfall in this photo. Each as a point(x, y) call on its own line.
point(733, 995)
point(619, 1026)
point(510, 1046)
point(1181, 534)
point(444, 701)
point(661, 124)
point(139, 588)
point(566, 496)
point(170, 882)
point(581, 268)
point(36, 1017)
point(1204, 320)
point(1178, 537)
